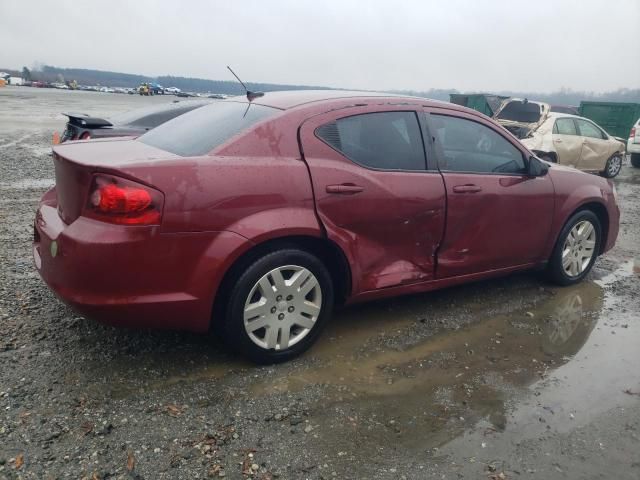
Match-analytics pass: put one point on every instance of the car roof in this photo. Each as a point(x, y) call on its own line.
point(285, 100)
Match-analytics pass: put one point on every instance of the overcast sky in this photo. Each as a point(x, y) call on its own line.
point(534, 45)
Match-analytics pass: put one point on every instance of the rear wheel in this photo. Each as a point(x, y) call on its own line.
point(278, 306)
point(635, 160)
point(613, 166)
point(576, 249)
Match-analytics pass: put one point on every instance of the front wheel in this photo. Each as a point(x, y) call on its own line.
point(613, 166)
point(278, 306)
point(576, 249)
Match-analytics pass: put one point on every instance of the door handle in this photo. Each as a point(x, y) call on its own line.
point(344, 189)
point(467, 189)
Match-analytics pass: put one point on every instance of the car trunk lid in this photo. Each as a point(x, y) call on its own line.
point(521, 117)
point(75, 164)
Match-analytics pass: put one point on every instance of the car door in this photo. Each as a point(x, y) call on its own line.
point(374, 194)
point(497, 215)
point(567, 143)
point(596, 147)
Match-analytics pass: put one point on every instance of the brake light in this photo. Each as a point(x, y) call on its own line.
point(633, 132)
point(121, 201)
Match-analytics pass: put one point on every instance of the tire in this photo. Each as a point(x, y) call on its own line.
point(564, 274)
point(258, 285)
point(613, 166)
point(635, 160)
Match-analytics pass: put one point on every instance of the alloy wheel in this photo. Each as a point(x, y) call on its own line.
point(579, 248)
point(282, 307)
point(615, 164)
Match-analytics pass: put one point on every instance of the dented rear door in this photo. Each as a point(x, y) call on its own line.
point(388, 221)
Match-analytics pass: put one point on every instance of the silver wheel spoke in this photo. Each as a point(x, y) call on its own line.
point(303, 321)
point(278, 281)
point(266, 289)
point(284, 337)
point(257, 309)
point(257, 324)
point(271, 337)
point(310, 309)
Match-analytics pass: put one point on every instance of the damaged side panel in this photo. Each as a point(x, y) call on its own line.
point(388, 223)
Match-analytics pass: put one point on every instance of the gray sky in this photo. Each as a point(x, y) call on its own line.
point(533, 45)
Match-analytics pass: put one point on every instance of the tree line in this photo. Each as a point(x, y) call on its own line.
point(48, 73)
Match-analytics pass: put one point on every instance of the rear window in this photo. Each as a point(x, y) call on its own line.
point(154, 115)
point(520, 112)
point(203, 129)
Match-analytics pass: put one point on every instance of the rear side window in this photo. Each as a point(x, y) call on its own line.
point(383, 140)
point(565, 126)
point(203, 129)
point(588, 129)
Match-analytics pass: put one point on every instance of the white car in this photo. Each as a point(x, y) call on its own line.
point(633, 144)
point(172, 90)
point(562, 138)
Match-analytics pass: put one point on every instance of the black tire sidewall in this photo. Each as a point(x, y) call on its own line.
point(555, 265)
point(233, 328)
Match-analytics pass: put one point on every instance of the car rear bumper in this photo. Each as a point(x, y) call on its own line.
point(132, 276)
point(633, 147)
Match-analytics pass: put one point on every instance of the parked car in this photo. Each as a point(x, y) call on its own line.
point(256, 218)
point(633, 144)
point(172, 90)
point(81, 126)
point(562, 138)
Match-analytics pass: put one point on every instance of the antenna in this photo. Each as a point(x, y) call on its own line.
point(250, 95)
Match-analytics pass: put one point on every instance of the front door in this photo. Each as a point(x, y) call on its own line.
point(374, 194)
point(497, 216)
point(596, 147)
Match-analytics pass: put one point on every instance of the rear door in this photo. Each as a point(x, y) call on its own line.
point(567, 142)
point(497, 216)
point(596, 147)
point(374, 192)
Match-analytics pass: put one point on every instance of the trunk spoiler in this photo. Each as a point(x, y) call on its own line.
point(84, 120)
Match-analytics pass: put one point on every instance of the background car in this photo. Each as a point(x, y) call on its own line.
point(576, 142)
point(633, 144)
point(256, 218)
point(83, 127)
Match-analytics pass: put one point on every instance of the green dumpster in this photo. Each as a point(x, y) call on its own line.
point(482, 102)
point(615, 117)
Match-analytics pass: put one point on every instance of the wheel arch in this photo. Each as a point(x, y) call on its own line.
point(326, 250)
point(603, 216)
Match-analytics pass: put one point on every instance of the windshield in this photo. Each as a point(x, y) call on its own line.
point(201, 130)
point(519, 111)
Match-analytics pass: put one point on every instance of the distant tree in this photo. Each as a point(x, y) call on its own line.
point(26, 74)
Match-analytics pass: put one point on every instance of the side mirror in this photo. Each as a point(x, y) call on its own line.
point(537, 168)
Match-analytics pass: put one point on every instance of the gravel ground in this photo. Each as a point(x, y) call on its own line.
point(512, 378)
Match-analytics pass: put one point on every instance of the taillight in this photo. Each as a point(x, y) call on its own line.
point(633, 132)
point(121, 201)
point(85, 136)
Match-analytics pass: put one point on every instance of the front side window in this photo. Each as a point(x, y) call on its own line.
point(565, 126)
point(382, 140)
point(468, 146)
point(588, 129)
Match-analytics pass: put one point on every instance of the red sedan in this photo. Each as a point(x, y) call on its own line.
point(255, 218)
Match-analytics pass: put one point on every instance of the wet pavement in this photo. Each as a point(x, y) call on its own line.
point(509, 378)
